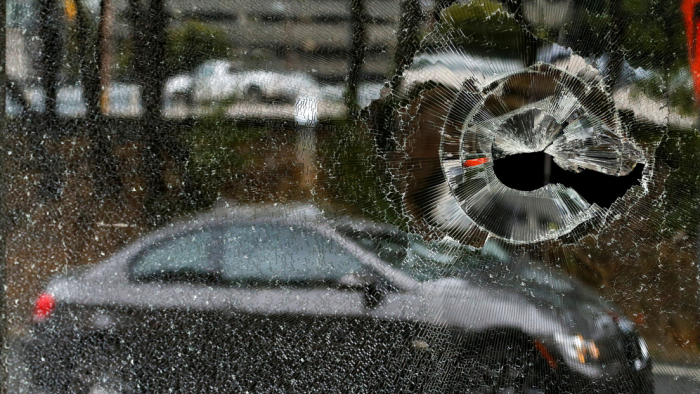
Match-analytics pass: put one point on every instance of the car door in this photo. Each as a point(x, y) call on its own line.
point(170, 306)
point(292, 323)
point(297, 323)
point(410, 346)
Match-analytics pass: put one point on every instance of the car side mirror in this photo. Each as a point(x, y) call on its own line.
point(374, 292)
point(353, 281)
point(373, 289)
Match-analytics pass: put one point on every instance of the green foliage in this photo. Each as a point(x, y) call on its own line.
point(218, 152)
point(481, 26)
point(353, 175)
point(654, 34)
point(123, 58)
point(679, 93)
point(680, 152)
point(193, 43)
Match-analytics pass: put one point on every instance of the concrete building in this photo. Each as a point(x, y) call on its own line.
point(311, 36)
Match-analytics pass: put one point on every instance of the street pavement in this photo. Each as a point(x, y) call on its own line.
point(676, 379)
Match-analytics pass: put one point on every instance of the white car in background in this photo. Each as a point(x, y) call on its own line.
point(256, 93)
point(179, 85)
point(123, 100)
point(452, 68)
point(218, 80)
point(214, 80)
point(177, 96)
point(366, 93)
point(70, 102)
point(274, 86)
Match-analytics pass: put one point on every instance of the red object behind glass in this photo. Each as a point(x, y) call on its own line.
point(691, 18)
point(44, 306)
point(475, 162)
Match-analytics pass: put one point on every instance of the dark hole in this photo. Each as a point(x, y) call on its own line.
point(526, 171)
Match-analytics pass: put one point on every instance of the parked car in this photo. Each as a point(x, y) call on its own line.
point(366, 93)
point(124, 100)
point(332, 103)
point(283, 300)
point(219, 80)
point(70, 102)
point(256, 93)
point(177, 96)
point(263, 85)
point(214, 80)
point(451, 69)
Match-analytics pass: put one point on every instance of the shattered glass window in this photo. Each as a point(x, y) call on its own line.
point(473, 196)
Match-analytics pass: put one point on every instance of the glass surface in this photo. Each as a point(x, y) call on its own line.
point(251, 255)
point(175, 259)
point(484, 196)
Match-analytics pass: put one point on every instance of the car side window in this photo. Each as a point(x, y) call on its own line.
point(264, 254)
point(185, 258)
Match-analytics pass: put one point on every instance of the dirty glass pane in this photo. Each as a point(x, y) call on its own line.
point(478, 196)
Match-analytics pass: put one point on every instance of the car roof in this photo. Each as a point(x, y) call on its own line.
point(228, 211)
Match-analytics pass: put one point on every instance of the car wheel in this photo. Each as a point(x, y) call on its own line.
point(100, 377)
point(254, 93)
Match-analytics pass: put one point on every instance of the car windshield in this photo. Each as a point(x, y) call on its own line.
point(421, 259)
point(432, 260)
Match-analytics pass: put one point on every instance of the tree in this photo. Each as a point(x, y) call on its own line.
point(94, 46)
point(358, 51)
point(50, 36)
point(192, 44)
point(149, 26)
point(408, 39)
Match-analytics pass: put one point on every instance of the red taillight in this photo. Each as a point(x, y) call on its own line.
point(44, 306)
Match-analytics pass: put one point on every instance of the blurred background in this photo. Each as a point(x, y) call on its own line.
point(125, 114)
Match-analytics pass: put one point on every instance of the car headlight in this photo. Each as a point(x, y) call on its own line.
point(577, 348)
point(628, 328)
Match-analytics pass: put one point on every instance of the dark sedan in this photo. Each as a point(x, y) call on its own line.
point(254, 300)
